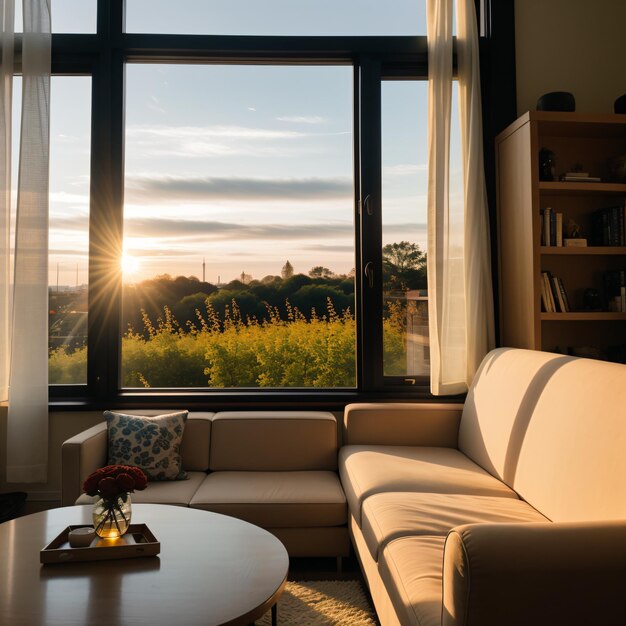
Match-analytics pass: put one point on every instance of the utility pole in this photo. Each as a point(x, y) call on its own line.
point(203, 270)
point(57, 278)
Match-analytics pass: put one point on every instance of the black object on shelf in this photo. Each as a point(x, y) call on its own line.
point(620, 104)
point(556, 101)
point(547, 165)
point(11, 505)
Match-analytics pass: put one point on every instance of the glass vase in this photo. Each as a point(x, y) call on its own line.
point(111, 516)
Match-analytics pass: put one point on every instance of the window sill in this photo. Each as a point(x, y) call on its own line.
point(237, 399)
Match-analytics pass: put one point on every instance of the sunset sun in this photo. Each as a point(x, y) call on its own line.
point(129, 264)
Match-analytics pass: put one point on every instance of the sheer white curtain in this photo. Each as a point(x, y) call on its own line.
point(7, 16)
point(460, 297)
point(27, 427)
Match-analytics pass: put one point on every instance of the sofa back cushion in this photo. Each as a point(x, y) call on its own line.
point(273, 441)
point(402, 424)
point(553, 428)
point(197, 442)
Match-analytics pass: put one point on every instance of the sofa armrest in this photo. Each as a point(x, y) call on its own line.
point(402, 424)
point(543, 573)
point(80, 456)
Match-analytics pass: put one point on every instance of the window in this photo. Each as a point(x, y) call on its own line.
point(404, 228)
point(68, 240)
point(406, 353)
point(238, 227)
point(240, 184)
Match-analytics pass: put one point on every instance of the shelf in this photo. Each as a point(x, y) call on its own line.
point(562, 188)
point(592, 140)
point(585, 251)
point(583, 316)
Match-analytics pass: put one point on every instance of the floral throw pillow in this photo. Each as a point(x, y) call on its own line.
point(150, 443)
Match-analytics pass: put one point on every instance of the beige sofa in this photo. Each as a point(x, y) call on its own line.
point(508, 510)
point(274, 469)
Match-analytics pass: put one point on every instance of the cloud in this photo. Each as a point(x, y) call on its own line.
point(302, 119)
point(83, 254)
point(208, 141)
point(160, 252)
point(330, 248)
point(201, 230)
point(74, 222)
point(405, 169)
point(208, 132)
point(406, 232)
point(147, 190)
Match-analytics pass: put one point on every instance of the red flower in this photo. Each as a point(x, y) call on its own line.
point(125, 481)
point(141, 480)
point(108, 487)
point(113, 480)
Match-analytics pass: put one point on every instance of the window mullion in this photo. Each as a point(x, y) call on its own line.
point(105, 224)
point(370, 276)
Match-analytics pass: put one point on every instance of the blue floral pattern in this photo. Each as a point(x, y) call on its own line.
point(150, 443)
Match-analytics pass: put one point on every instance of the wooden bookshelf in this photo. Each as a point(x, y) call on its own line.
point(588, 141)
point(587, 251)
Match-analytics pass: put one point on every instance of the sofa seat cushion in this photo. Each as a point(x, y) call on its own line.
point(177, 492)
point(366, 470)
point(389, 516)
point(275, 499)
point(411, 570)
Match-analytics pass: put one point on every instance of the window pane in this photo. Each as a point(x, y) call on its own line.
point(277, 17)
point(68, 16)
point(405, 188)
point(238, 227)
point(70, 137)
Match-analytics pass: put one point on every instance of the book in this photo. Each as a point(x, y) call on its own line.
point(555, 293)
point(580, 179)
point(608, 226)
point(546, 226)
point(564, 295)
point(559, 296)
point(559, 229)
point(577, 242)
point(549, 294)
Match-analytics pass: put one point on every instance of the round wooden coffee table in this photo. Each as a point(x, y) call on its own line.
point(212, 569)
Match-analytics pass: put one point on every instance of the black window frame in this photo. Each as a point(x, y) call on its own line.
point(104, 56)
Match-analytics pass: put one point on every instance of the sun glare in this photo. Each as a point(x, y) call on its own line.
point(129, 264)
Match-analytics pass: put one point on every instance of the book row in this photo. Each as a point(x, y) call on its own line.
point(608, 228)
point(553, 295)
point(551, 228)
point(554, 298)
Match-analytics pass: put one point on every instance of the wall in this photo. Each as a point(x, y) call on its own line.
point(570, 45)
point(62, 426)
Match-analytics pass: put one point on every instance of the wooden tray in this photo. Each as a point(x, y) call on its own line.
point(137, 542)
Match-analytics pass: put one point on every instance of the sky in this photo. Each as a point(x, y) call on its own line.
point(242, 167)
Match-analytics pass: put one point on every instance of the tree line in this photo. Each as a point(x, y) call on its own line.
point(404, 267)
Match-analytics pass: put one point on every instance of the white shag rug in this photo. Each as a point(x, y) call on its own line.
point(322, 603)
